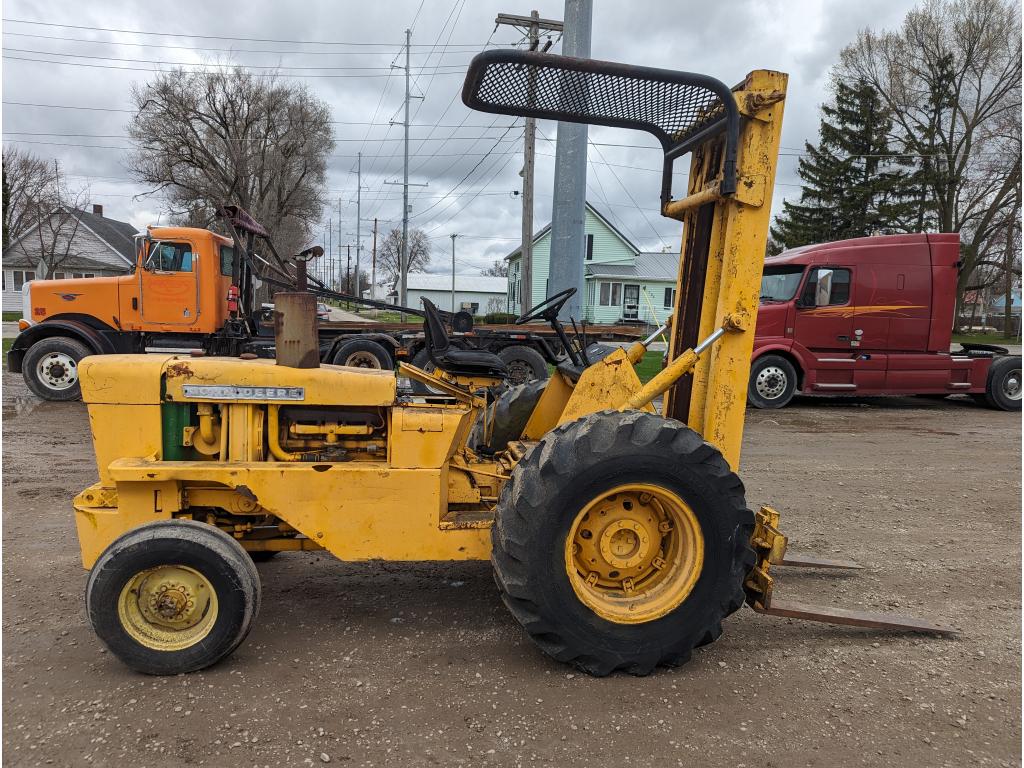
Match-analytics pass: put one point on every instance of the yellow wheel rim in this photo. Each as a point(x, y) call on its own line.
point(168, 608)
point(634, 553)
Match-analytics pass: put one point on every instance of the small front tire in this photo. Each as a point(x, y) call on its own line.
point(173, 596)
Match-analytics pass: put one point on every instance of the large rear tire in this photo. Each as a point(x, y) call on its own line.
point(616, 497)
point(173, 596)
point(50, 368)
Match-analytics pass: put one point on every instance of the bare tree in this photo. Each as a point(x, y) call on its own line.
point(389, 253)
point(231, 136)
point(30, 183)
point(951, 77)
point(43, 209)
point(499, 268)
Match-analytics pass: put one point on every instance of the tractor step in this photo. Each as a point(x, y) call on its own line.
point(770, 547)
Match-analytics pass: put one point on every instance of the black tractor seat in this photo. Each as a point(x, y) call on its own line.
point(458, 362)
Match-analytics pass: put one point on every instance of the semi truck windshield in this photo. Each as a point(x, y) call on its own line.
point(780, 283)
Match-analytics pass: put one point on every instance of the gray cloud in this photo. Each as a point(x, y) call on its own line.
point(724, 39)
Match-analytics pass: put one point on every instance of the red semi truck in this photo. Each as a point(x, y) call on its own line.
point(871, 316)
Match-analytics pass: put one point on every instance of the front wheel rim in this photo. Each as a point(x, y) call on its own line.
point(634, 553)
point(168, 608)
point(58, 370)
point(771, 382)
point(1012, 384)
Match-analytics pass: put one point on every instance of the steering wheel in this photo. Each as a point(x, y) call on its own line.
point(547, 309)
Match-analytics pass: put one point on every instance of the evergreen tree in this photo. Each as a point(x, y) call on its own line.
point(854, 183)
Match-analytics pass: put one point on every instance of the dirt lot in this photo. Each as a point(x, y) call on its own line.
point(419, 664)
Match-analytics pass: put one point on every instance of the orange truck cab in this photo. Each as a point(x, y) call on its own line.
point(174, 298)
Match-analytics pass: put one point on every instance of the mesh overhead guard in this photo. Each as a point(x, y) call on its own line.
point(681, 109)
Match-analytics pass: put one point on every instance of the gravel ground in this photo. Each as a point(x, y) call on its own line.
point(419, 664)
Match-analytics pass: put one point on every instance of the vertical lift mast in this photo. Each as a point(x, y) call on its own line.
point(732, 136)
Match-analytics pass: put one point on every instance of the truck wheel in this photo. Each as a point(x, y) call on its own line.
point(422, 361)
point(173, 596)
point(621, 541)
point(1003, 388)
point(363, 353)
point(50, 368)
point(508, 416)
point(524, 364)
point(772, 382)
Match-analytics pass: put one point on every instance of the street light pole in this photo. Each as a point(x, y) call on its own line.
point(453, 272)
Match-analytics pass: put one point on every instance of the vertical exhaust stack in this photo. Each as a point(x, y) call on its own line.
point(295, 330)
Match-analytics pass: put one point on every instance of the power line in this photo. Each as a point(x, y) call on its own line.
point(125, 136)
point(289, 52)
point(162, 62)
point(333, 122)
point(471, 171)
point(459, 71)
point(198, 37)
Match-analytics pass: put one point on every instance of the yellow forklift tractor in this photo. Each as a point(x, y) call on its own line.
point(620, 537)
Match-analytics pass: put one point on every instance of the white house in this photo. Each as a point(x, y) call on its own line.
point(477, 294)
point(99, 247)
point(621, 283)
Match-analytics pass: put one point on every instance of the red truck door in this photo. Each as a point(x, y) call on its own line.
point(824, 326)
point(824, 315)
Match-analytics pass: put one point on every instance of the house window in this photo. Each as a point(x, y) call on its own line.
point(670, 297)
point(21, 277)
point(611, 294)
point(78, 275)
point(590, 247)
point(3, 277)
point(58, 275)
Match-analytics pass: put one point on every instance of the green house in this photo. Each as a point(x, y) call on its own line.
point(622, 283)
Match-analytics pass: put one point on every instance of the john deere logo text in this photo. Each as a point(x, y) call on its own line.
point(229, 392)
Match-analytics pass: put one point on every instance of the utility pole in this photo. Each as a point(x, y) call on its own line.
point(531, 25)
point(569, 207)
point(405, 177)
point(373, 263)
point(403, 263)
point(453, 272)
point(348, 269)
point(337, 277)
point(359, 213)
point(330, 249)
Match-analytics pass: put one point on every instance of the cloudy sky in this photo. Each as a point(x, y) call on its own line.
point(82, 71)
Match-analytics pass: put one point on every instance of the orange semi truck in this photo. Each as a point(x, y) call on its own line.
point(192, 289)
point(174, 298)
